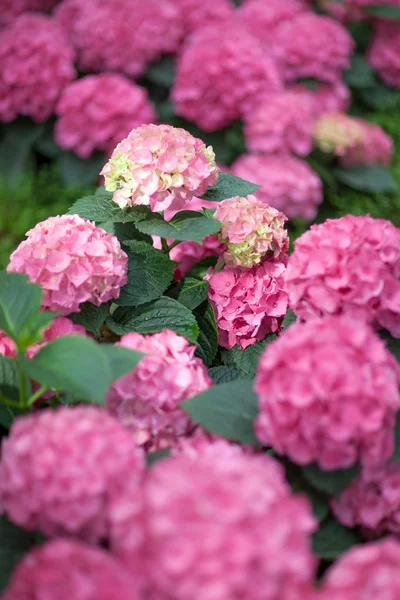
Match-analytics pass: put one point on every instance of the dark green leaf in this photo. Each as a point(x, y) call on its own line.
point(228, 409)
point(295, 477)
point(367, 179)
point(311, 84)
point(101, 208)
point(246, 361)
point(150, 272)
point(224, 374)
point(207, 343)
point(396, 456)
point(162, 72)
point(290, 318)
point(385, 12)
point(152, 317)
point(200, 269)
point(91, 317)
point(7, 416)
point(125, 232)
point(185, 225)
point(191, 292)
point(392, 343)
point(14, 543)
point(19, 301)
point(9, 378)
point(16, 149)
point(229, 186)
point(77, 172)
point(360, 74)
point(332, 539)
point(153, 457)
point(329, 482)
point(380, 96)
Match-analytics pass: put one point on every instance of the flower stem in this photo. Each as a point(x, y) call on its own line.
point(37, 395)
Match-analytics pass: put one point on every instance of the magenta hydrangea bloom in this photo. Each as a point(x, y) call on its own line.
point(353, 10)
point(347, 266)
point(384, 53)
point(250, 229)
point(73, 261)
point(281, 122)
point(195, 15)
point(36, 63)
point(219, 77)
point(288, 183)
point(187, 254)
point(10, 9)
point(328, 392)
point(147, 399)
point(376, 148)
point(338, 133)
point(201, 442)
point(248, 303)
point(120, 35)
point(68, 472)
point(63, 569)
point(161, 166)
point(367, 571)
point(98, 111)
point(207, 518)
point(262, 18)
point(327, 98)
point(312, 45)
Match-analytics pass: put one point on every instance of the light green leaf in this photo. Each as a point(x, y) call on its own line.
point(32, 331)
point(229, 186)
point(19, 301)
point(185, 225)
point(367, 179)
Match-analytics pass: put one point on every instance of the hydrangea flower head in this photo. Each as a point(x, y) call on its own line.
point(10, 9)
point(161, 166)
point(337, 133)
point(327, 98)
point(146, 400)
point(376, 148)
point(188, 253)
point(328, 393)
point(73, 261)
point(262, 18)
point(195, 15)
point(384, 52)
point(250, 229)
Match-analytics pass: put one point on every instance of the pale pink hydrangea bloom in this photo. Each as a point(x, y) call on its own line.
point(187, 254)
point(36, 63)
point(337, 133)
point(73, 261)
point(288, 183)
point(248, 303)
point(384, 53)
point(75, 472)
point(161, 166)
point(372, 501)
point(328, 392)
point(365, 572)
point(375, 149)
point(281, 122)
point(120, 35)
point(7, 346)
point(327, 98)
point(348, 266)
point(147, 399)
point(10, 9)
point(64, 570)
point(98, 111)
point(224, 524)
point(312, 45)
point(263, 17)
point(219, 77)
point(195, 15)
point(250, 229)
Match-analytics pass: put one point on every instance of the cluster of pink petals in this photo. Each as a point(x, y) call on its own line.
point(219, 77)
point(327, 98)
point(120, 35)
point(10, 9)
point(250, 228)
point(365, 572)
point(224, 524)
point(68, 472)
point(328, 392)
point(73, 261)
point(187, 254)
point(372, 501)
point(384, 53)
point(161, 166)
point(63, 569)
point(338, 133)
point(353, 10)
point(262, 18)
point(348, 266)
point(201, 442)
point(196, 15)
point(312, 45)
point(7, 346)
point(36, 63)
point(147, 399)
point(281, 122)
point(248, 303)
point(98, 111)
point(288, 183)
point(376, 148)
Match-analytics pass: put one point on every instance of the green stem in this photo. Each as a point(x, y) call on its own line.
point(7, 402)
point(164, 246)
point(173, 245)
point(37, 395)
point(22, 390)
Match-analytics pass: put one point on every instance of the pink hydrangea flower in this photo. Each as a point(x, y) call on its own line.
point(248, 303)
point(73, 261)
point(250, 229)
point(262, 18)
point(288, 183)
point(98, 111)
point(161, 166)
point(337, 133)
point(384, 53)
point(312, 45)
point(201, 442)
point(328, 392)
point(187, 254)
point(147, 399)
point(68, 472)
point(7, 346)
point(64, 569)
point(60, 327)
point(207, 518)
point(36, 63)
point(196, 15)
point(10, 9)
point(353, 10)
point(219, 77)
point(348, 266)
point(375, 149)
point(327, 98)
point(367, 571)
point(120, 35)
point(281, 122)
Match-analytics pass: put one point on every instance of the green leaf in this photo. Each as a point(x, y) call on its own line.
point(207, 343)
point(78, 365)
point(380, 96)
point(19, 301)
point(396, 455)
point(78, 172)
point(246, 361)
point(125, 232)
point(7, 416)
point(185, 225)
point(101, 208)
point(91, 317)
point(32, 331)
point(162, 72)
point(229, 186)
point(332, 539)
point(150, 272)
point(16, 149)
point(199, 270)
point(360, 74)
point(329, 482)
point(14, 543)
point(367, 179)
point(309, 83)
point(289, 319)
point(9, 378)
point(152, 317)
point(295, 477)
point(223, 374)
point(393, 344)
point(384, 12)
point(153, 457)
point(228, 409)
point(190, 292)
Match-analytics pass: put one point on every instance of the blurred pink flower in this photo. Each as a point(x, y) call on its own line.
point(187, 254)
point(263, 17)
point(384, 52)
point(327, 98)
point(376, 148)
point(338, 133)
point(195, 15)
point(10, 9)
